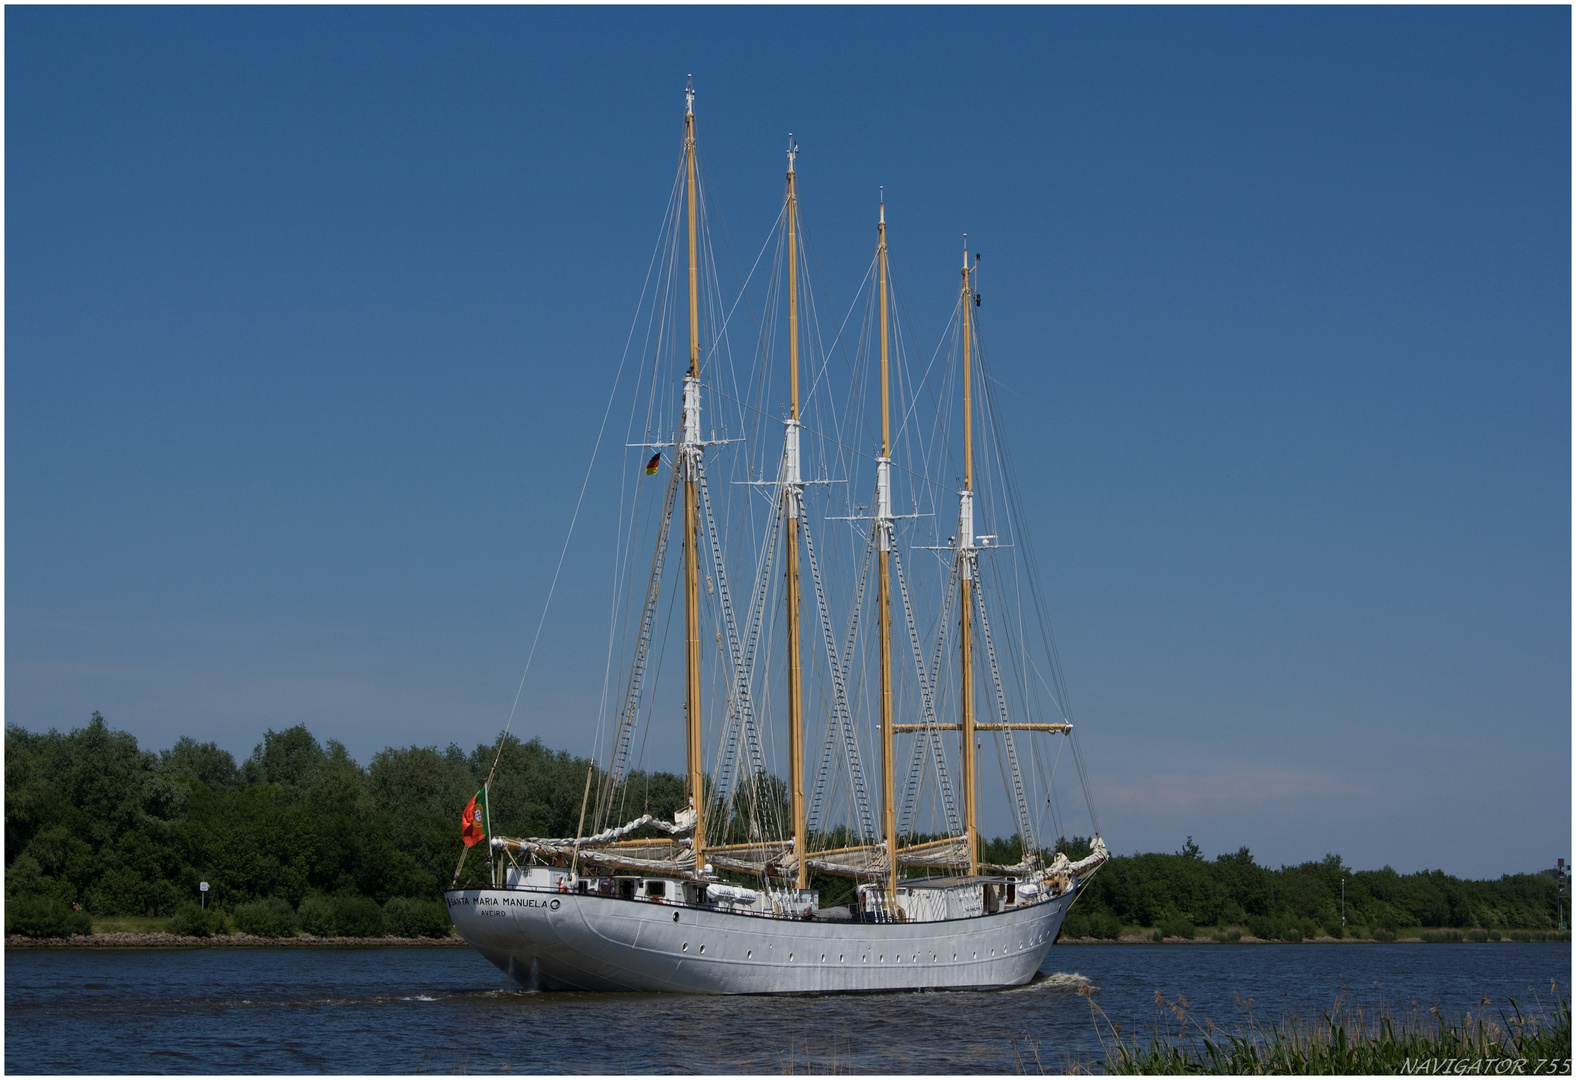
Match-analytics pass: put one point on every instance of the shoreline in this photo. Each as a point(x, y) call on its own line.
point(1246, 939)
point(131, 940)
point(159, 940)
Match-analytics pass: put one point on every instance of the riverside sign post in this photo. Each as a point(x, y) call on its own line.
point(202, 895)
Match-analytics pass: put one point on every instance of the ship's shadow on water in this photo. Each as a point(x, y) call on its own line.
point(448, 1010)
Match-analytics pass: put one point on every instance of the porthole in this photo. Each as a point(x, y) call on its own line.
point(839, 958)
point(748, 953)
point(954, 958)
point(823, 958)
point(976, 955)
point(703, 948)
point(685, 947)
point(790, 958)
point(881, 959)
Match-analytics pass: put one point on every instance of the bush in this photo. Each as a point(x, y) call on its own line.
point(316, 916)
point(1227, 937)
point(1271, 928)
point(1477, 935)
point(359, 916)
point(341, 916)
point(38, 916)
point(1520, 935)
point(1105, 926)
point(1441, 937)
point(1381, 934)
point(1179, 927)
point(1493, 935)
point(193, 921)
point(416, 918)
point(273, 917)
point(1075, 925)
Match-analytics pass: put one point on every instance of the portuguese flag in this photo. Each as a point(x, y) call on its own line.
point(473, 822)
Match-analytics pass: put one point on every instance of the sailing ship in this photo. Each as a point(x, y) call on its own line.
point(727, 895)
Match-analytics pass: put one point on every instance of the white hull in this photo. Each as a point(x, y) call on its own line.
point(569, 941)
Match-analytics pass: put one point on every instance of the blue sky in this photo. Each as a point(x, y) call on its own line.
point(311, 315)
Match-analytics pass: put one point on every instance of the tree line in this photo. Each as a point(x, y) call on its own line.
point(301, 836)
point(96, 826)
point(1177, 894)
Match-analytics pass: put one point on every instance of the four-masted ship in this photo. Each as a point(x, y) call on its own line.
point(727, 896)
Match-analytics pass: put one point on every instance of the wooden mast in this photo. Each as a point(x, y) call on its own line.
point(690, 455)
point(883, 584)
point(966, 585)
point(792, 489)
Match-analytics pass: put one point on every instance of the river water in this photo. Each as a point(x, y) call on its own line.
point(444, 1009)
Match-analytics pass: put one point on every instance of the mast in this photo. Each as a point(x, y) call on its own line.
point(690, 451)
point(883, 583)
point(793, 489)
point(966, 585)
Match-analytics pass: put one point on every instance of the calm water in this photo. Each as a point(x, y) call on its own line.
point(445, 1010)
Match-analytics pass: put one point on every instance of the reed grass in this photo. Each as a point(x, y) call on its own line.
point(1498, 1040)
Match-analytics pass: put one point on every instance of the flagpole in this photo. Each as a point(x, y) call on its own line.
point(492, 871)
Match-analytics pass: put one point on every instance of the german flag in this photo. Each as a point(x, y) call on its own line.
point(654, 464)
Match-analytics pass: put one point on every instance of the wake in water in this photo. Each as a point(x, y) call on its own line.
point(1057, 980)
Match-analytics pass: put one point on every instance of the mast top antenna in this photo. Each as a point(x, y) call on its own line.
point(882, 200)
point(793, 151)
point(689, 95)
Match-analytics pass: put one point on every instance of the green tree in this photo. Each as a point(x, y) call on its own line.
point(204, 763)
point(284, 758)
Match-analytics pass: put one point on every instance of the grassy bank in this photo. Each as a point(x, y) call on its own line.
point(1501, 1038)
point(129, 924)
